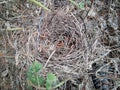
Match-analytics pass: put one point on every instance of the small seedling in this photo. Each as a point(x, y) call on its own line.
point(33, 74)
point(36, 80)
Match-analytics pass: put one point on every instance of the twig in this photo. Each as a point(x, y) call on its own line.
point(49, 59)
point(40, 4)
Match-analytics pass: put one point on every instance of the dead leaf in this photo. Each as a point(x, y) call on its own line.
point(1, 54)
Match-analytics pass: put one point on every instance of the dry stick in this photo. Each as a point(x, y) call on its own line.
point(100, 69)
point(116, 66)
point(49, 59)
point(40, 4)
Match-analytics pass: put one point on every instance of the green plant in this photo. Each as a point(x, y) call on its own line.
point(36, 80)
point(51, 81)
point(81, 5)
point(33, 74)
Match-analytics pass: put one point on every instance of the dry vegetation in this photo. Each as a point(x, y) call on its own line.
point(81, 46)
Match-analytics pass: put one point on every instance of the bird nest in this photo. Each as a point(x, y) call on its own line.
point(62, 43)
point(58, 42)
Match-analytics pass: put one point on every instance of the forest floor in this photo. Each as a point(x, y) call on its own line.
point(66, 45)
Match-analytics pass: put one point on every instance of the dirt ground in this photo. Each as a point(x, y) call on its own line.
point(77, 40)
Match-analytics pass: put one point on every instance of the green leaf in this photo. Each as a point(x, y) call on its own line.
point(41, 80)
point(48, 86)
point(35, 67)
point(81, 5)
point(36, 80)
point(33, 80)
point(51, 77)
point(33, 75)
point(88, 2)
point(51, 81)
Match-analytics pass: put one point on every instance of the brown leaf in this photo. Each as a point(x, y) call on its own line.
point(1, 54)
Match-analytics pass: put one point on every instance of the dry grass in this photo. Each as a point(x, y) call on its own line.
point(64, 42)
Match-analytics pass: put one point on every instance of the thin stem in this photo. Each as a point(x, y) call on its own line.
point(49, 59)
point(40, 4)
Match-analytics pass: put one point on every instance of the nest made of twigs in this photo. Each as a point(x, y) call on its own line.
point(64, 34)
